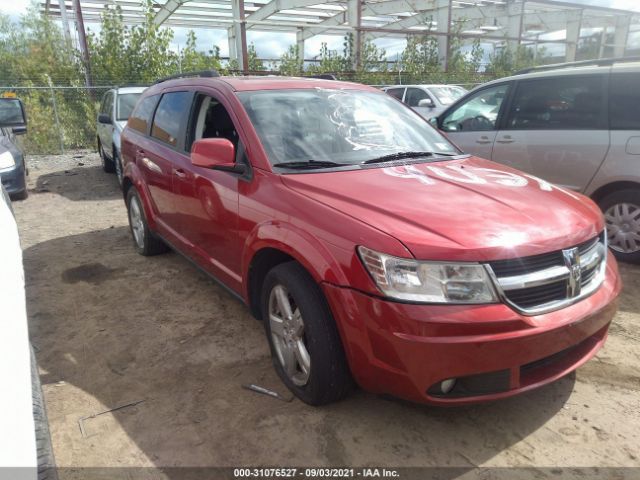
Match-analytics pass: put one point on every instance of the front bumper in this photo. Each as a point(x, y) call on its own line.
point(406, 350)
point(14, 179)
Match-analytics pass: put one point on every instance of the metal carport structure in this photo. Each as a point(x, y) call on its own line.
point(510, 22)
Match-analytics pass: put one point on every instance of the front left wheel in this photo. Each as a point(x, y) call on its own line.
point(305, 344)
point(107, 164)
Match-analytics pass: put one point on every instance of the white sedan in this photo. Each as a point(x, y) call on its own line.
point(25, 446)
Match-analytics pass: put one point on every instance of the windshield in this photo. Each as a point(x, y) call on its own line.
point(126, 102)
point(447, 95)
point(343, 126)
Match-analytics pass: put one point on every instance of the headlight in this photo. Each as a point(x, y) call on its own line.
point(428, 282)
point(6, 160)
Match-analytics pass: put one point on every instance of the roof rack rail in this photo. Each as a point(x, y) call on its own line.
point(323, 76)
point(203, 73)
point(601, 62)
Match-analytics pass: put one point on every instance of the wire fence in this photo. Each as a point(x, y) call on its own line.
point(63, 118)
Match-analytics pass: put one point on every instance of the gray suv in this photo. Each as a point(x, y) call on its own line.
point(576, 125)
point(115, 108)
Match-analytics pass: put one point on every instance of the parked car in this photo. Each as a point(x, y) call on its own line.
point(13, 170)
point(115, 108)
point(25, 444)
point(576, 125)
point(367, 243)
point(427, 100)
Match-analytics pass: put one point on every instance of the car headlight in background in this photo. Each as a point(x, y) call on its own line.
point(428, 282)
point(6, 160)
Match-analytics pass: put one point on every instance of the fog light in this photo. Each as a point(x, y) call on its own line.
point(447, 385)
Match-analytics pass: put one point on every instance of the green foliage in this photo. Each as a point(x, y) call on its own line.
point(291, 62)
point(507, 61)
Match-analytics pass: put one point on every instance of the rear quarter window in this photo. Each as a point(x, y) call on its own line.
point(141, 116)
point(624, 101)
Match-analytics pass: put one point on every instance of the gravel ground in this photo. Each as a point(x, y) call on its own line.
point(111, 327)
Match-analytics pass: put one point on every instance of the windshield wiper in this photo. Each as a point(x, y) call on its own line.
point(310, 164)
point(403, 155)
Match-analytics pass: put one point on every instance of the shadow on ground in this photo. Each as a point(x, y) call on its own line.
point(120, 328)
point(73, 184)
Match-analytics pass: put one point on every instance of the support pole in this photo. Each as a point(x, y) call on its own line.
point(573, 36)
point(238, 36)
point(443, 17)
point(354, 12)
point(65, 20)
point(621, 36)
point(300, 44)
point(82, 37)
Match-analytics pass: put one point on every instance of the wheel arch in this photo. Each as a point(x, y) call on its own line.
point(274, 243)
point(605, 190)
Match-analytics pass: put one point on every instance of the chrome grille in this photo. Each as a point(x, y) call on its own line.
point(542, 283)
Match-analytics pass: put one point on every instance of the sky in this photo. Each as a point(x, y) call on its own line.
point(273, 44)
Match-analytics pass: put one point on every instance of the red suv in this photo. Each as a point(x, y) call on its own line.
point(371, 247)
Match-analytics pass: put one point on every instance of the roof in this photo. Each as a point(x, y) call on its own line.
point(268, 82)
point(282, 83)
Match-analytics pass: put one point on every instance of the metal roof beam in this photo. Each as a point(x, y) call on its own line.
point(275, 6)
point(167, 10)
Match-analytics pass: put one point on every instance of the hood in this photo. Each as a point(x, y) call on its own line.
point(465, 209)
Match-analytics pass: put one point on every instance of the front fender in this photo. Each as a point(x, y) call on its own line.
point(308, 250)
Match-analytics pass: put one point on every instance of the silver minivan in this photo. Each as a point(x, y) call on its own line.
point(576, 125)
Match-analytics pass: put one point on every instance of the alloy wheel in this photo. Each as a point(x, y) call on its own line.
point(623, 227)
point(288, 335)
point(137, 223)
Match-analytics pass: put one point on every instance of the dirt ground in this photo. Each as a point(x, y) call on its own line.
point(111, 327)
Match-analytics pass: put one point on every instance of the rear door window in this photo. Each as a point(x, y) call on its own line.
point(396, 92)
point(624, 101)
point(169, 117)
point(558, 103)
point(141, 116)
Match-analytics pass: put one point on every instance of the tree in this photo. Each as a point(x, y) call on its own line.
point(291, 62)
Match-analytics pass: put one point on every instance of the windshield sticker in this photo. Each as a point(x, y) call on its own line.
point(468, 175)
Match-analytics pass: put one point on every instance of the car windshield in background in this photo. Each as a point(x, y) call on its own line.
point(447, 95)
point(126, 102)
point(342, 126)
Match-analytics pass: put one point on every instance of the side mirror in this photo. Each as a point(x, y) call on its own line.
point(434, 121)
point(21, 130)
point(426, 102)
point(215, 154)
point(104, 118)
point(12, 113)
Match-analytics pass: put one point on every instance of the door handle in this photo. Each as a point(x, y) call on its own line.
point(179, 173)
point(150, 164)
point(483, 140)
point(506, 139)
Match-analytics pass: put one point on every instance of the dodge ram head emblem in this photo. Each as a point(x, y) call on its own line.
point(572, 262)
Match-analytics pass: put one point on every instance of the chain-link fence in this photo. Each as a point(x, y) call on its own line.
point(64, 117)
point(59, 118)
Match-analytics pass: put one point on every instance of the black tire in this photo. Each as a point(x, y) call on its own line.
point(329, 378)
point(46, 460)
point(149, 244)
point(117, 163)
point(607, 204)
point(107, 164)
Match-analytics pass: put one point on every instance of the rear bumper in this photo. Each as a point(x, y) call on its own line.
point(406, 350)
